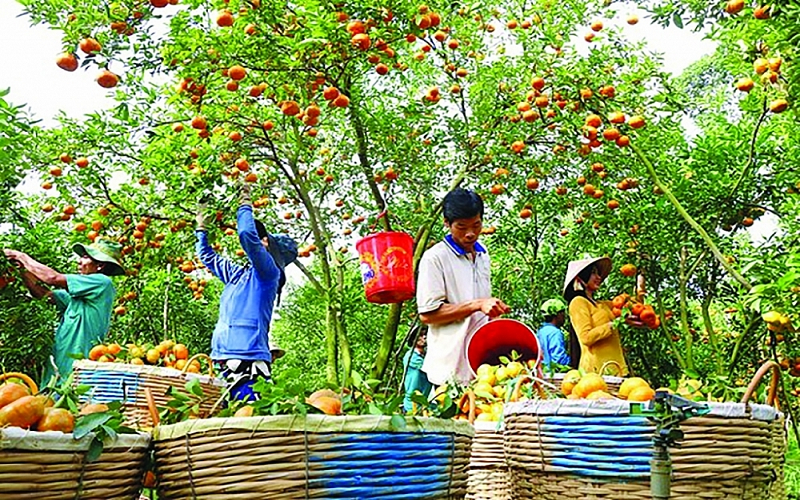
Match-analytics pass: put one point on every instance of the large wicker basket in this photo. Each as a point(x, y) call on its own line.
point(127, 383)
point(489, 476)
point(52, 466)
point(563, 449)
point(317, 456)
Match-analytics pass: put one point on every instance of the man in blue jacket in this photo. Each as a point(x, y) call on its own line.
point(240, 342)
point(550, 336)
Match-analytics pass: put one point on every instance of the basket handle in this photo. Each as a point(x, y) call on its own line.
point(28, 381)
point(611, 362)
point(772, 400)
point(470, 396)
point(201, 355)
point(151, 406)
point(517, 392)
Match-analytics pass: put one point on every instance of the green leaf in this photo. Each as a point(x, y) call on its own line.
point(398, 422)
point(89, 423)
point(95, 450)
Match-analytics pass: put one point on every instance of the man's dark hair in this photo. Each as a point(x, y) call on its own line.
point(549, 318)
point(462, 204)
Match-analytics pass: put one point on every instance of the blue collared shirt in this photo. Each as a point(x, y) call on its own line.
point(456, 248)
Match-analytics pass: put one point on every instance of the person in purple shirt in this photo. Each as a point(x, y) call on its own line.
point(240, 343)
point(550, 336)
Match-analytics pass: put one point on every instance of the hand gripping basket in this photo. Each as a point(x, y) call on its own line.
point(52, 466)
point(127, 383)
point(571, 449)
point(315, 456)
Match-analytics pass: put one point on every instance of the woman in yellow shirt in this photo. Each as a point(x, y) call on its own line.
point(590, 319)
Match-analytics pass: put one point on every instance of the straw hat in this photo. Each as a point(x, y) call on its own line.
point(105, 251)
point(576, 266)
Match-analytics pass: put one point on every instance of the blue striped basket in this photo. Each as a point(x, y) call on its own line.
point(127, 383)
point(317, 456)
point(579, 449)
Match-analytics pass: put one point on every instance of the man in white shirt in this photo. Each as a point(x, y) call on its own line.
point(454, 291)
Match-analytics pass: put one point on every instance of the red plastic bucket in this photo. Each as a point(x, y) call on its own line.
point(387, 266)
point(499, 337)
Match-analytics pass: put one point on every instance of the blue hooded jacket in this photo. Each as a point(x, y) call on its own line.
point(245, 307)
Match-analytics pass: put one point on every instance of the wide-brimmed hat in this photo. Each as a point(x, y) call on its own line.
point(106, 251)
point(576, 266)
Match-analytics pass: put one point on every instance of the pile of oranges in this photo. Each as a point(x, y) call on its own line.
point(168, 354)
point(637, 311)
point(494, 386)
point(592, 386)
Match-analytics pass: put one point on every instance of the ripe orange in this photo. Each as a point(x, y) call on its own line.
point(342, 101)
point(199, 123)
point(89, 45)
point(594, 121)
point(641, 393)
point(225, 19)
point(612, 204)
point(153, 356)
point(761, 12)
point(628, 270)
point(251, 177)
point(532, 184)
point(778, 105)
point(526, 213)
point(745, 84)
point(107, 79)
point(181, 351)
point(518, 146)
point(633, 19)
point(734, 6)
point(630, 384)
point(571, 378)
point(82, 162)
point(611, 134)
point(67, 62)
point(636, 122)
point(616, 117)
point(597, 25)
point(97, 351)
point(114, 349)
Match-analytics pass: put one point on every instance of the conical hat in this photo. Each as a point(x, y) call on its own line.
point(576, 266)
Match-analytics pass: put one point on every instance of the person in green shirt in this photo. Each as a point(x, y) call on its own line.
point(415, 379)
point(84, 300)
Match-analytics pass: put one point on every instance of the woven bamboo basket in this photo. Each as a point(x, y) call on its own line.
point(565, 449)
point(316, 456)
point(52, 466)
point(127, 383)
point(489, 474)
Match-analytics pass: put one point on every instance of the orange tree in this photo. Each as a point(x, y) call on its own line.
point(341, 112)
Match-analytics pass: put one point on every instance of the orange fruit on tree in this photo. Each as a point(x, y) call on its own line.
point(225, 19)
point(628, 270)
point(778, 105)
point(107, 79)
point(636, 309)
point(90, 45)
point(630, 384)
point(237, 73)
point(67, 61)
point(641, 393)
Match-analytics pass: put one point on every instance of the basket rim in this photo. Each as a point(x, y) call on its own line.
point(17, 438)
point(621, 408)
point(160, 371)
point(313, 424)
